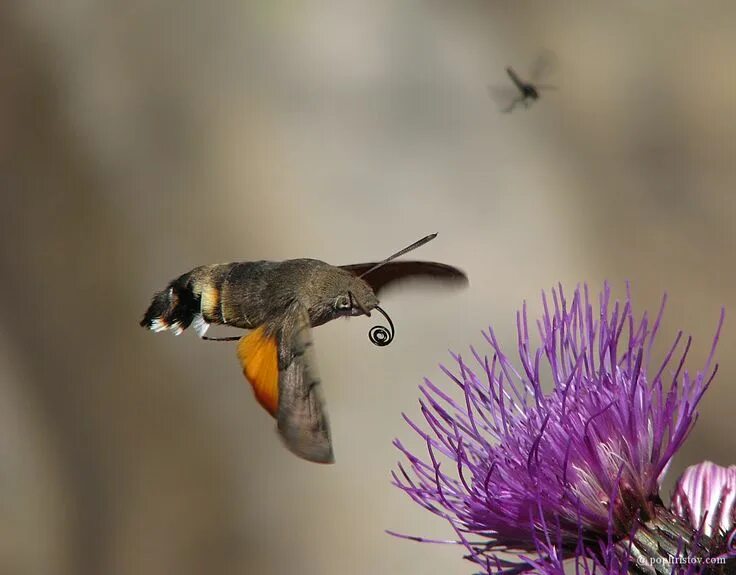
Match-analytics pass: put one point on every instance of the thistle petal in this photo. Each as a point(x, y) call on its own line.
point(705, 495)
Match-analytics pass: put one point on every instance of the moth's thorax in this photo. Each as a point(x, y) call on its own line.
point(322, 287)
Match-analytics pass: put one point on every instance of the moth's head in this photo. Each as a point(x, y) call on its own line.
point(339, 293)
point(356, 298)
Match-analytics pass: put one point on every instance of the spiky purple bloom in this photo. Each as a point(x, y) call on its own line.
point(569, 473)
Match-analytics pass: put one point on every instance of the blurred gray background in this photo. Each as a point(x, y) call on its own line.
point(139, 139)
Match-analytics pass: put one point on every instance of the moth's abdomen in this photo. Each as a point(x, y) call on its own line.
point(193, 298)
point(207, 285)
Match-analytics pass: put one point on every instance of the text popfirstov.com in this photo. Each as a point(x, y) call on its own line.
point(681, 560)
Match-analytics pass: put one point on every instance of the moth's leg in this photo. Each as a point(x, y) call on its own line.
point(232, 338)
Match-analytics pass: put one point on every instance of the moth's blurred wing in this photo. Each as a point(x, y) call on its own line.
point(394, 272)
point(543, 66)
point(505, 97)
point(302, 419)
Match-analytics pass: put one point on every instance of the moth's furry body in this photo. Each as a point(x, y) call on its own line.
point(279, 302)
point(247, 295)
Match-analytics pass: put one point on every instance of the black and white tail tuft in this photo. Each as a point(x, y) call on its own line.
point(174, 308)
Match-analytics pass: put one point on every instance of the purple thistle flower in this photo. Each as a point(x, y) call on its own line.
point(705, 495)
point(572, 473)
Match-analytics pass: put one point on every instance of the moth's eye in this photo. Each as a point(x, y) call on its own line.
point(343, 302)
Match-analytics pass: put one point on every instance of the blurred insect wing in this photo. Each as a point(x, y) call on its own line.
point(282, 371)
point(543, 66)
point(394, 272)
point(302, 419)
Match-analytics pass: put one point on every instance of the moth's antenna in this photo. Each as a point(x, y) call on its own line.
point(406, 250)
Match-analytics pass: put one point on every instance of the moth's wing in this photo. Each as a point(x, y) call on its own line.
point(258, 355)
point(302, 419)
point(505, 97)
point(394, 272)
point(283, 374)
point(543, 66)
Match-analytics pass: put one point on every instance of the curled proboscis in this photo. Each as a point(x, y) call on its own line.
point(381, 335)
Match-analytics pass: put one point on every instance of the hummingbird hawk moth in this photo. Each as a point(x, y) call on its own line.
point(279, 302)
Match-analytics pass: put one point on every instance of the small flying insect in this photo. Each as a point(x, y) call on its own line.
point(526, 91)
point(279, 302)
